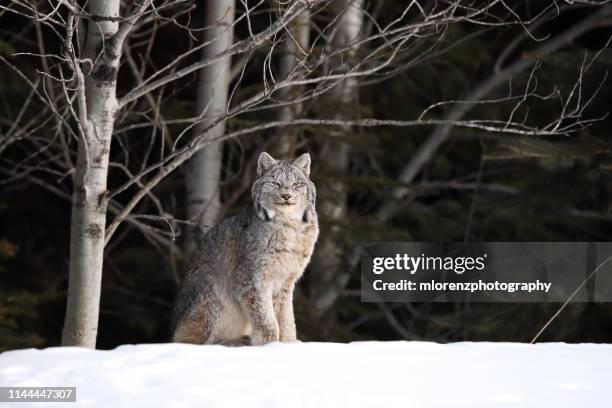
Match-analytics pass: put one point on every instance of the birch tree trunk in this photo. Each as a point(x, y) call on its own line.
point(97, 107)
point(295, 47)
point(327, 259)
point(203, 173)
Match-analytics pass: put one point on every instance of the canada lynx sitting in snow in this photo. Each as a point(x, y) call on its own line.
point(238, 287)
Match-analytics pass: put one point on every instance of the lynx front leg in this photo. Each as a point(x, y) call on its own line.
point(283, 307)
point(258, 306)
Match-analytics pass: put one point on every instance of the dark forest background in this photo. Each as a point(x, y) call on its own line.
point(479, 186)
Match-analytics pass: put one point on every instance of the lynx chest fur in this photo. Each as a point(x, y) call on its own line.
point(285, 249)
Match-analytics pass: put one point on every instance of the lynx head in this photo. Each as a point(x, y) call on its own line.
point(283, 188)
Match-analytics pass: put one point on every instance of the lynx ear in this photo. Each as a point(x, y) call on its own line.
point(264, 162)
point(303, 163)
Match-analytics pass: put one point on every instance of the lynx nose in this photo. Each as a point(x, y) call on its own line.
point(286, 197)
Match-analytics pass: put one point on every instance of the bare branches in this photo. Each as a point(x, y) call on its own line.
point(442, 132)
point(241, 47)
point(388, 46)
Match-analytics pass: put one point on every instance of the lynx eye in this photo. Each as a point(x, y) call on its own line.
point(275, 184)
point(298, 185)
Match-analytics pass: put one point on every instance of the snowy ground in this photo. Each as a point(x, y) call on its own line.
point(367, 374)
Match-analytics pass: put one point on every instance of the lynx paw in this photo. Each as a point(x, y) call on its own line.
point(241, 341)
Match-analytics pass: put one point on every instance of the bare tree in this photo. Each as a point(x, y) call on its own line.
point(96, 106)
point(294, 53)
point(203, 174)
point(335, 155)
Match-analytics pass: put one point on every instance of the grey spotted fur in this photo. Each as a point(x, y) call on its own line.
point(239, 284)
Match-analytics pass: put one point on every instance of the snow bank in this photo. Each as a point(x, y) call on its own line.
point(364, 374)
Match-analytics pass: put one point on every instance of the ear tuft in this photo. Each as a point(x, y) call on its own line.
point(303, 163)
point(264, 162)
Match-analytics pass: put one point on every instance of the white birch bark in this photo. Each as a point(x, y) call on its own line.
point(203, 172)
point(97, 107)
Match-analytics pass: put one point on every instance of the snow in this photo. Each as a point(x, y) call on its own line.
point(361, 374)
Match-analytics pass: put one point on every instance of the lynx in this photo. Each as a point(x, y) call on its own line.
point(238, 287)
